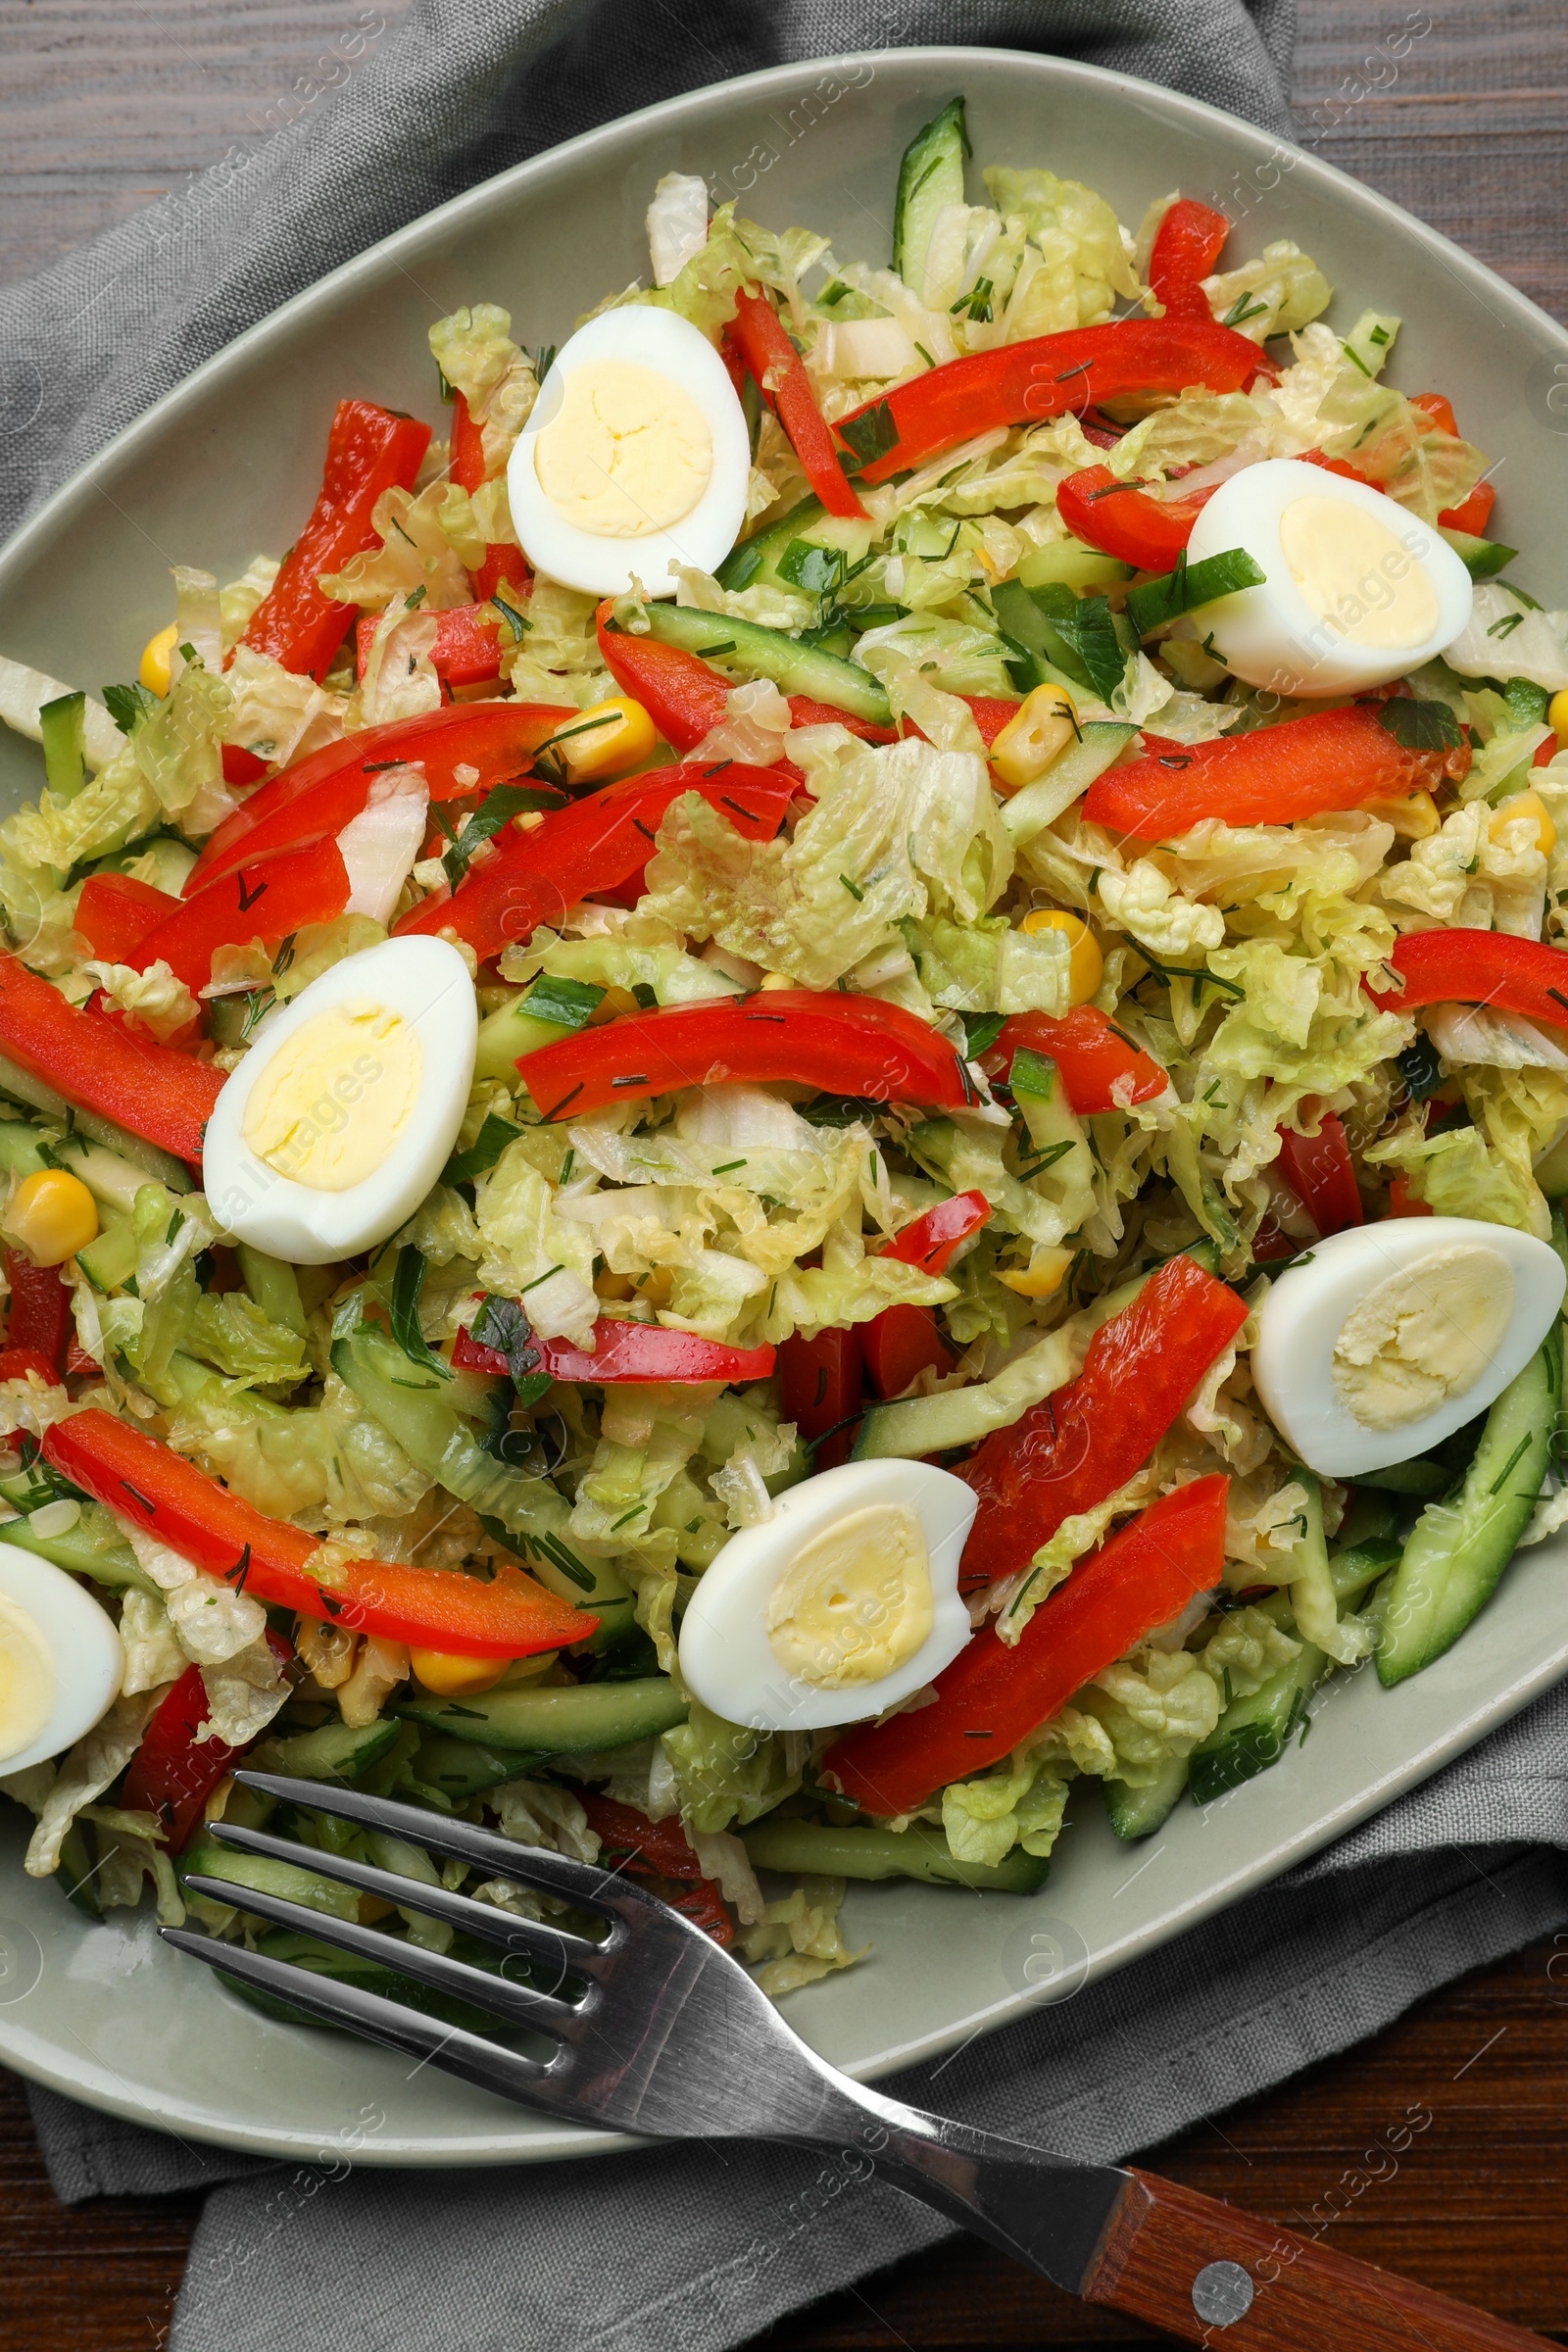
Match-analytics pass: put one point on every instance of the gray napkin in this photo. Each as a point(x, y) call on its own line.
point(694, 2249)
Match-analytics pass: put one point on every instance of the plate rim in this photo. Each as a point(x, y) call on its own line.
point(542, 2140)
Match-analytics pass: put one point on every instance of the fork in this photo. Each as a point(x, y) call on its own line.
point(657, 2030)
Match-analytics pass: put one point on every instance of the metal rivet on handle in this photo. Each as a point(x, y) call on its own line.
point(1222, 2293)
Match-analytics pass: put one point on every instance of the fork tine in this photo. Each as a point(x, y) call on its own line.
point(532, 1938)
point(457, 2052)
point(457, 1841)
point(518, 2004)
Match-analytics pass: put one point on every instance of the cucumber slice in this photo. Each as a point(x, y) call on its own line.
point(461, 1768)
point(21, 1149)
point(815, 1847)
point(1140, 1812)
point(1457, 1550)
point(1253, 1732)
point(111, 1260)
point(334, 1751)
point(263, 1875)
point(413, 1406)
point(1065, 780)
point(557, 1723)
point(755, 559)
point(930, 175)
point(1070, 564)
point(1481, 558)
point(505, 1037)
point(1416, 1477)
point(112, 1565)
point(921, 1425)
point(794, 668)
point(63, 732)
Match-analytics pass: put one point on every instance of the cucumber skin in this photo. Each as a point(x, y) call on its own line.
point(334, 1751)
point(759, 554)
point(795, 668)
point(1256, 1731)
point(1139, 1812)
point(1457, 1551)
point(343, 1968)
point(943, 138)
point(263, 1875)
point(461, 1768)
point(816, 1850)
point(585, 1717)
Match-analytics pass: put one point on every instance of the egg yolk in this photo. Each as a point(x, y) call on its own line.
point(1423, 1335)
point(628, 453)
point(1352, 571)
point(854, 1604)
point(27, 1679)
point(357, 1058)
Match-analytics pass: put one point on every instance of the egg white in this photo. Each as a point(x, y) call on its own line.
point(83, 1645)
point(726, 1655)
point(1292, 1362)
point(426, 981)
point(1270, 635)
point(645, 337)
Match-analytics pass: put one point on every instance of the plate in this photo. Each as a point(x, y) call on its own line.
point(109, 2015)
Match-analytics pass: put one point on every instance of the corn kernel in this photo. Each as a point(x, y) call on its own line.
point(1557, 714)
point(157, 657)
point(1086, 966)
point(777, 980)
point(1045, 723)
point(1414, 816)
point(1043, 1276)
point(1526, 803)
point(449, 1676)
point(623, 740)
point(52, 1215)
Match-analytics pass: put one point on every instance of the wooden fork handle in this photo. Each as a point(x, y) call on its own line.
point(1216, 2276)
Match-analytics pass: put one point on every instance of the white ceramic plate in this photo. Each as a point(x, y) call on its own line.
point(109, 2015)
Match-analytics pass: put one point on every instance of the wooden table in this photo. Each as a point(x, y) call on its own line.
point(105, 102)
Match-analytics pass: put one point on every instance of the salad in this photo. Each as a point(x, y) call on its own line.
point(805, 1098)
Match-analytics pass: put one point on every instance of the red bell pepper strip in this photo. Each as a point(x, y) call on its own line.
point(174, 1772)
point(820, 1390)
point(17, 1362)
point(1078, 1446)
point(656, 1849)
point(266, 900)
point(1402, 1202)
point(1124, 521)
point(369, 450)
point(131, 1473)
point(1187, 247)
point(845, 1045)
point(1024, 383)
point(1477, 967)
point(930, 1241)
point(320, 795)
point(779, 374)
point(504, 566)
point(1102, 1069)
point(41, 1320)
point(1302, 767)
point(592, 844)
point(161, 1094)
point(1472, 513)
point(683, 696)
point(1439, 409)
point(1320, 1172)
point(115, 913)
point(993, 1697)
point(901, 1342)
point(627, 1351)
point(466, 648)
point(991, 713)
